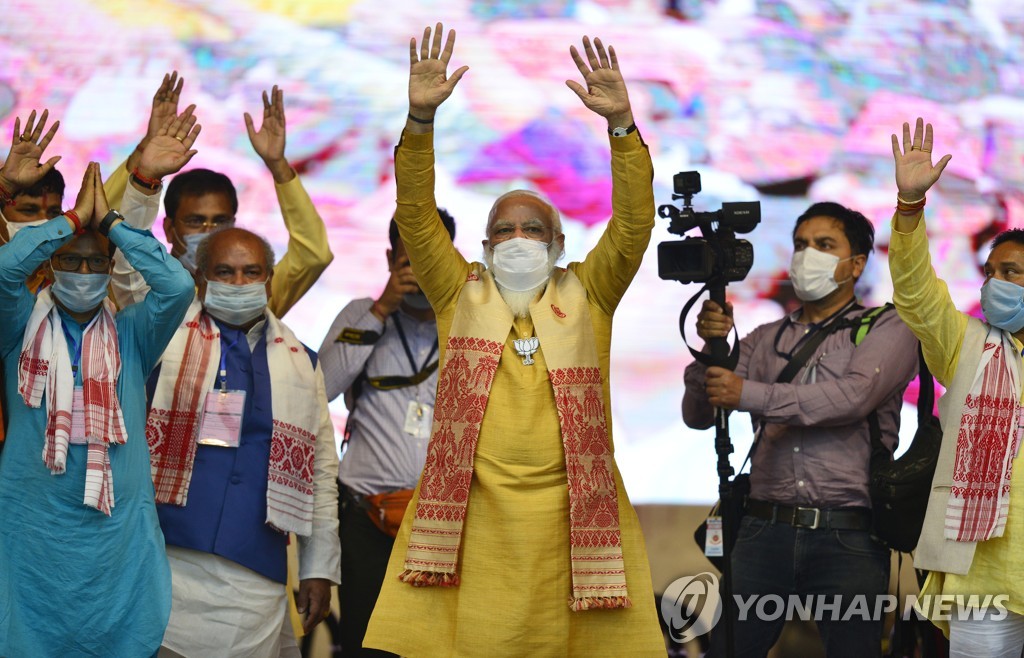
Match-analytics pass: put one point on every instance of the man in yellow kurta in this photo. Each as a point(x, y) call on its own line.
point(202, 201)
point(520, 540)
point(970, 540)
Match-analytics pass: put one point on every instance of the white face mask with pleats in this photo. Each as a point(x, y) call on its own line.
point(813, 274)
point(235, 305)
point(521, 264)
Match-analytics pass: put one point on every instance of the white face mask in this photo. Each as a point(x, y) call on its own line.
point(188, 259)
point(813, 274)
point(235, 305)
point(521, 264)
point(79, 292)
point(14, 227)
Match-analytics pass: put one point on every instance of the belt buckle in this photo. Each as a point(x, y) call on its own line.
point(814, 524)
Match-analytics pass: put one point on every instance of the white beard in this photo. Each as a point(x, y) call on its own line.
point(519, 301)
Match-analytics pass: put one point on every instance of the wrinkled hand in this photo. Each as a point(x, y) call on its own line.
point(713, 321)
point(429, 85)
point(22, 167)
point(401, 282)
point(170, 149)
point(314, 601)
point(605, 92)
point(723, 387)
point(915, 173)
point(85, 204)
point(269, 140)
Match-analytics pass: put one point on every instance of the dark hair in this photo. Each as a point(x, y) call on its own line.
point(446, 219)
point(857, 228)
point(53, 181)
point(1015, 235)
point(197, 182)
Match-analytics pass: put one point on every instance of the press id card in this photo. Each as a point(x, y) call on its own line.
point(77, 417)
point(715, 541)
point(418, 419)
point(222, 419)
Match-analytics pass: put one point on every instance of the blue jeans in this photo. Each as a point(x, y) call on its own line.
point(778, 559)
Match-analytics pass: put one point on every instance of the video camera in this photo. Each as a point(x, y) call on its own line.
point(718, 254)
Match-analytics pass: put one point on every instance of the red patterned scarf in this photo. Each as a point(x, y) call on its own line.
point(45, 366)
point(188, 372)
point(989, 437)
point(479, 330)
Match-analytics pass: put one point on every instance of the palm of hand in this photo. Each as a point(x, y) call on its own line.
point(22, 165)
point(426, 83)
point(163, 155)
point(607, 94)
point(268, 142)
point(163, 112)
point(915, 173)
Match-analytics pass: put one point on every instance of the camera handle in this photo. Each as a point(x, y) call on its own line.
point(722, 357)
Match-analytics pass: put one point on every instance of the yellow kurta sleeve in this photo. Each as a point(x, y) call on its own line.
point(308, 253)
point(923, 302)
point(116, 185)
point(440, 269)
point(610, 266)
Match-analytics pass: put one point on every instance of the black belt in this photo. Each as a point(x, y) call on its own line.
point(836, 518)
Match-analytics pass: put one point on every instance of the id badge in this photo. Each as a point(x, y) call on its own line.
point(418, 419)
point(222, 419)
point(77, 417)
point(713, 545)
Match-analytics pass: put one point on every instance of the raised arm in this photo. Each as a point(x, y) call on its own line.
point(165, 154)
point(439, 267)
point(610, 267)
point(308, 253)
point(23, 167)
point(921, 298)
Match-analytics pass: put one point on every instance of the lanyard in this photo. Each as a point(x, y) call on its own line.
point(408, 352)
point(77, 345)
point(224, 364)
point(815, 327)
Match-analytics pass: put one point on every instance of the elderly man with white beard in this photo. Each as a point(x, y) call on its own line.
point(520, 537)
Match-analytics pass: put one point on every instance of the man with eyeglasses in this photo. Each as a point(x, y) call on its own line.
point(382, 354)
point(200, 201)
point(82, 563)
point(242, 452)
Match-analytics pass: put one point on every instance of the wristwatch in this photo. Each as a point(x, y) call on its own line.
point(620, 131)
point(109, 219)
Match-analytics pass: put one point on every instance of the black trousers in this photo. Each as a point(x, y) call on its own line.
point(365, 551)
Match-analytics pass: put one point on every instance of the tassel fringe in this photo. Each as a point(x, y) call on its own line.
point(599, 602)
point(429, 578)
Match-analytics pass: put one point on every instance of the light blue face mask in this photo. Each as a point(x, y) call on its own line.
point(79, 292)
point(1003, 304)
point(235, 305)
point(188, 259)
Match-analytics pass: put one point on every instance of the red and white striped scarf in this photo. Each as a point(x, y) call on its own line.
point(45, 366)
point(988, 440)
point(188, 372)
point(477, 339)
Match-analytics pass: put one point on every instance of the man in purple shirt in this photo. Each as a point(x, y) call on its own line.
point(807, 530)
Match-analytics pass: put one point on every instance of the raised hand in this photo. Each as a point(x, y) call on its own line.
point(429, 85)
point(100, 207)
point(165, 108)
point(170, 149)
point(915, 173)
point(401, 282)
point(605, 93)
point(269, 140)
point(22, 168)
point(86, 201)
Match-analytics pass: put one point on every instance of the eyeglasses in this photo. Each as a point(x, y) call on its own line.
point(72, 262)
point(198, 223)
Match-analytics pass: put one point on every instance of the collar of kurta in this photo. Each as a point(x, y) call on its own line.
point(475, 346)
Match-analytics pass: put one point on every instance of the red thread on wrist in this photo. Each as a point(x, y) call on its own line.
point(150, 183)
point(73, 216)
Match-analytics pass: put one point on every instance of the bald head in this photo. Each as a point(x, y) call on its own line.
point(523, 203)
point(234, 256)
